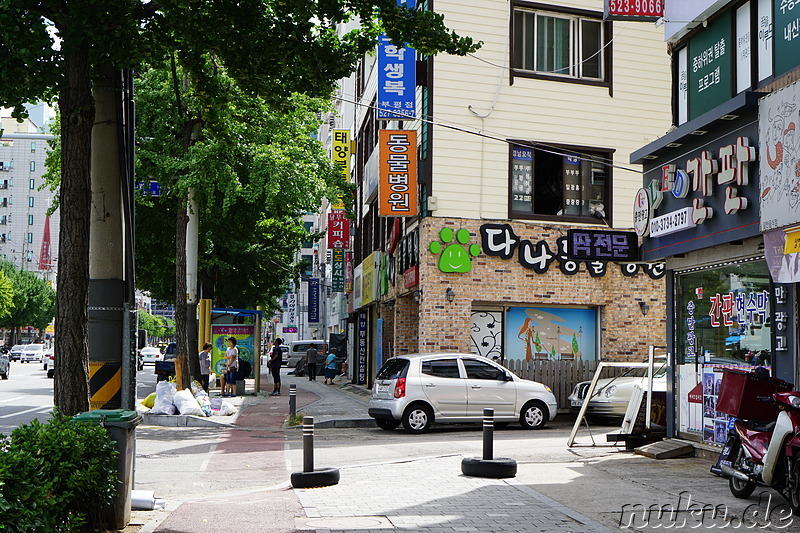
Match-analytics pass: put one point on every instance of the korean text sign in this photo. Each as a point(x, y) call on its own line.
point(338, 230)
point(313, 300)
point(397, 190)
point(397, 80)
point(340, 154)
point(598, 245)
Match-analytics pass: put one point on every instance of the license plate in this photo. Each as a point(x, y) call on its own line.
point(383, 389)
point(576, 403)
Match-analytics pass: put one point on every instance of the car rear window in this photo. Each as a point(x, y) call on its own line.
point(443, 368)
point(394, 368)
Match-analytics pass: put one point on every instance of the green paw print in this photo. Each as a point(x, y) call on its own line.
point(455, 258)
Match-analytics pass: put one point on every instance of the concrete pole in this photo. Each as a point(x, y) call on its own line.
point(107, 287)
point(257, 349)
point(192, 231)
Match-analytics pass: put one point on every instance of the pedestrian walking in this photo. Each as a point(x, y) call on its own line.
point(274, 364)
point(330, 368)
point(311, 363)
point(231, 366)
point(205, 364)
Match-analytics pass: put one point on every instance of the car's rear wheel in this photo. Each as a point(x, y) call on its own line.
point(4, 375)
point(418, 418)
point(51, 373)
point(533, 415)
point(387, 423)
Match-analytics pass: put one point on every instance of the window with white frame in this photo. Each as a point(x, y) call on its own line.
point(30, 237)
point(30, 220)
point(30, 201)
point(33, 166)
point(566, 44)
point(32, 183)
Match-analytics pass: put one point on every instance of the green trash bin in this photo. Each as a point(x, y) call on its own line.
point(121, 427)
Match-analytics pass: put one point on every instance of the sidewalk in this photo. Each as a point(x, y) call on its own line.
point(237, 479)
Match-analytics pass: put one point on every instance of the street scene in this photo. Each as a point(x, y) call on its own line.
point(399, 265)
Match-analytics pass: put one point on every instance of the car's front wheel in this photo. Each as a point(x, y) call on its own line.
point(418, 418)
point(533, 415)
point(387, 423)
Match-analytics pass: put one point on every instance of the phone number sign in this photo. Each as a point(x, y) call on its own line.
point(642, 10)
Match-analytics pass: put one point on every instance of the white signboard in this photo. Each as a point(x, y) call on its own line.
point(672, 222)
point(779, 143)
point(743, 48)
point(764, 39)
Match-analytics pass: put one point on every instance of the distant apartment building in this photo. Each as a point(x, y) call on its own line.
point(28, 236)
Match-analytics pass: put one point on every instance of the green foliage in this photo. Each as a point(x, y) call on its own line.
point(33, 302)
point(254, 169)
point(6, 295)
point(55, 477)
point(295, 420)
point(156, 326)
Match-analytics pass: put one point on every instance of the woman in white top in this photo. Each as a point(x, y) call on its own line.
point(231, 366)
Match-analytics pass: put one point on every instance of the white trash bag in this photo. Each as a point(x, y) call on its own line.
point(186, 404)
point(165, 393)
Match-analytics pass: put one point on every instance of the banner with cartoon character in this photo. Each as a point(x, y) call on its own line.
point(244, 335)
point(778, 125)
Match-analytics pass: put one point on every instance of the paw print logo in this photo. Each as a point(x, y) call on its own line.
point(454, 258)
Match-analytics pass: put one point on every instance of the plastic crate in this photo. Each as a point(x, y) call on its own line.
point(739, 393)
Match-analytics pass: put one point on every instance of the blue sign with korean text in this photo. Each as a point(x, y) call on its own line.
point(397, 80)
point(313, 300)
point(379, 344)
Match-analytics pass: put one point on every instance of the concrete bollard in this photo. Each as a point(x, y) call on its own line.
point(292, 399)
point(309, 477)
point(488, 466)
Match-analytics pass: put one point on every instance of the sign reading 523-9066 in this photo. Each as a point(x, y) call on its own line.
point(634, 9)
point(672, 222)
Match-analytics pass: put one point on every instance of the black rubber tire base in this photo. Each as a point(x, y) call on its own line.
point(499, 468)
point(318, 478)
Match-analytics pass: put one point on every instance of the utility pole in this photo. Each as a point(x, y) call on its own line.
point(111, 360)
point(192, 230)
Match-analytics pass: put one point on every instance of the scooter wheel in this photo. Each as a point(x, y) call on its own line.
point(741, 489)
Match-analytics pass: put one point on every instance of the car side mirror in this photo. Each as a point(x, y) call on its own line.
point(505, 376)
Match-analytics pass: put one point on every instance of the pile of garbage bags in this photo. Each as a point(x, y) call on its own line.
point(168, 400)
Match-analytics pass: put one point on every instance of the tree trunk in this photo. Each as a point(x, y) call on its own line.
point(181, 338)
point(76, 104)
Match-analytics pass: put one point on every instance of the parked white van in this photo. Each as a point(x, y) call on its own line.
point(298, 349)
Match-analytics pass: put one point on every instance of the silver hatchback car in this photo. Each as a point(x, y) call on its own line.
point(417, 390)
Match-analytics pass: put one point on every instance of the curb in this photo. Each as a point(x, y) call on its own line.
point(341, 423)
point(182, 421)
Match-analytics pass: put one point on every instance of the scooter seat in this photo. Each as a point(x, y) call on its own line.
point(757, 425)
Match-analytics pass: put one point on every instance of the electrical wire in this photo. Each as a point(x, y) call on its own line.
point(544, 147)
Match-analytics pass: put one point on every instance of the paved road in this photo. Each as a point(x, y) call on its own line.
point(27, 394)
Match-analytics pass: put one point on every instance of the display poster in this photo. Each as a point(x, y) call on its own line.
point(783, 267)
point(313, 300)
point(779, 146)
point(397, 191)
point(362, 349)
point(348, 271)
point(522, 179)
point(715, 424)
point(244, 335)
point(337, 270)
point(551, 333)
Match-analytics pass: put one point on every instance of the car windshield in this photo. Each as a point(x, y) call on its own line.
point(393, 369)
point(18, 347)
point(35, 348)
point(659, 371)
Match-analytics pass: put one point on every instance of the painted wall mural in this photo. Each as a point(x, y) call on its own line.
point(487, 334)
point(551, 333)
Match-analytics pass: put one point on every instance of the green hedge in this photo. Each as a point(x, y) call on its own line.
point(56, 477)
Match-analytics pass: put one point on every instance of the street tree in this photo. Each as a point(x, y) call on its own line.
point(53, 49)
point(32, 299)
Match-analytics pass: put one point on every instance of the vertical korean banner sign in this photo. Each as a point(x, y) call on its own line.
point(244, 335)
point(340, 154)
point(337, 272)
point(361, 349)
point(338, 229)
point(397, 77)
point(313, 300)
point(379, 345)
point(397, 191)
point(291, 309)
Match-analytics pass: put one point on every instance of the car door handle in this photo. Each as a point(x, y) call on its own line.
point(430, 385)
point(476, 386)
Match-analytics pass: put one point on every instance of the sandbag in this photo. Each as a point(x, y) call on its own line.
point(165, 393)
point(186, 403)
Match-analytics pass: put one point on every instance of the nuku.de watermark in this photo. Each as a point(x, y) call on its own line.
point(688, 514)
